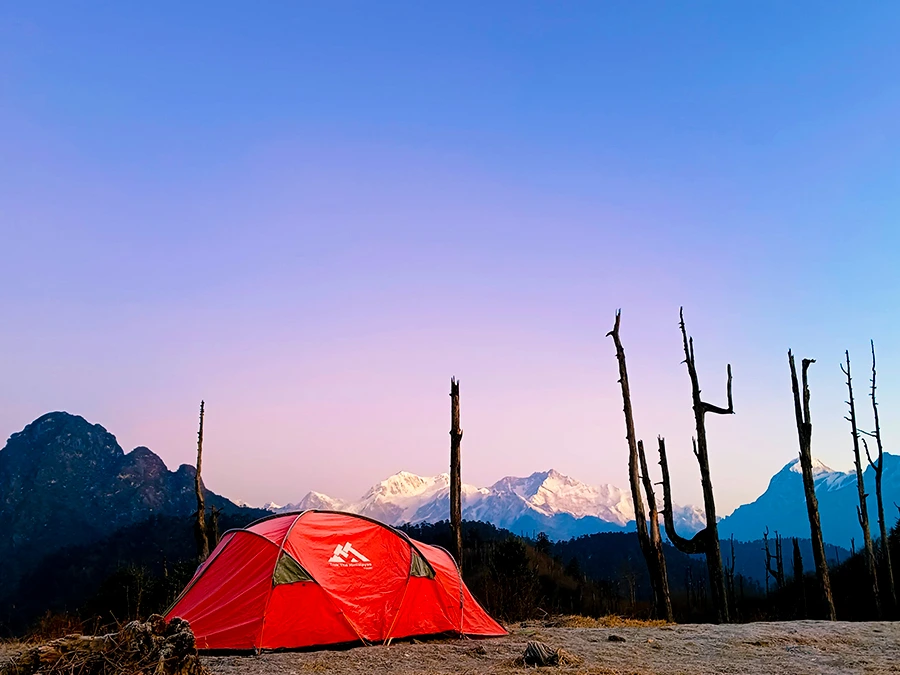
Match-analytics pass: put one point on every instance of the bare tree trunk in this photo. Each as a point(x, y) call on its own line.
point(798, 561)
point(650, 541)
point(879, 470)
point(798, 578)
point(456, 434)
point(862, 511)
point(200, 522)
point(213, 537)
point(779, 561)
point(804, 432)
point(777, 572)
point(729, 572)
point(707, 540)
point(659, 573)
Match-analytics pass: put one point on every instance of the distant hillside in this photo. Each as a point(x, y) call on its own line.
point(65, 482)
point(782, 506)
point(610, 555)
point(138, 569)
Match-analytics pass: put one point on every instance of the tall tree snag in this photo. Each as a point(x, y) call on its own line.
point(777, 572)
point(729, 575)
point(878, 467)
point(200, 522)
point(862, 511)
point(707, 540)
point(659, 574)
point(804, 433)
point(798, 580)
point(650, 540)
point(798, 561)
point(456, 434)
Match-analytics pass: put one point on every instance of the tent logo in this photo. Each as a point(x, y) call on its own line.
point(347, 556)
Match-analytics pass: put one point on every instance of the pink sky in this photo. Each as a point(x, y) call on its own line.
point(314, 217)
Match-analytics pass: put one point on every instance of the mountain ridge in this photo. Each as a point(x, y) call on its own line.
point(66, 482)
point(782, 506)
point(545, 501)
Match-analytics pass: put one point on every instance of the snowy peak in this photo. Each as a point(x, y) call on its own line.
point(551, 492)
point(317, 500)
point(818, 467)
point(824, 476)
point(547, 500)
point(406, 485)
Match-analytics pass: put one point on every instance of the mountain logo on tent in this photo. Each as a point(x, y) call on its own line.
point(347, 556)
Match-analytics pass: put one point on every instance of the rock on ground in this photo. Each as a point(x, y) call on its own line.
point(802, 647)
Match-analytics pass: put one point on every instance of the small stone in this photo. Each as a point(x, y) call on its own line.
point(616, 638)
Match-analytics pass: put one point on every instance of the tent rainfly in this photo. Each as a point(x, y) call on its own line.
point(321, 578)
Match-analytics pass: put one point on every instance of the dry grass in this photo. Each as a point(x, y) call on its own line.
point(9, 647)
point(609, 621)
point(53, 625)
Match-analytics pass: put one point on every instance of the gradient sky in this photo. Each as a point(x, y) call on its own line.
point(312, 215)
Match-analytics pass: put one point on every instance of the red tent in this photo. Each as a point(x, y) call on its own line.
point(321, 578)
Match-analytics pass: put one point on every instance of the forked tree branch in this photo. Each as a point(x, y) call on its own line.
point(697, 543)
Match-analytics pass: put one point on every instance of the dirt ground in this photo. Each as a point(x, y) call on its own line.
point(813, 647)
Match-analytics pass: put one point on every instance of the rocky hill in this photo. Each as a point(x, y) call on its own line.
point(66, 482)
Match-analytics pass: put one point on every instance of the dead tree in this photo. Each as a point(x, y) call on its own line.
point(878, 468)
point(659, 573)
point(456, 434)
point(804, 433)
point(214, 514)
point(798, 561)
point(798, 578)
point(200, 521)
point(776, 572)
point(862, 511)
point(650, 540)
point(729, 574)
point(707, 540)
point(779, 561)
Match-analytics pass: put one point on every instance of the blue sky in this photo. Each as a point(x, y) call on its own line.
point(313, 214)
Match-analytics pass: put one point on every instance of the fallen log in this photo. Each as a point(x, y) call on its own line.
point(154, 647)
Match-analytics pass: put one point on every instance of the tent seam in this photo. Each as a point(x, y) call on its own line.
point(387, 637)
point(324, 590)
point(459, 578)
point(287, 534)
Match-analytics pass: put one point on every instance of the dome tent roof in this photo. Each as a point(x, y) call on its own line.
point(320, 578)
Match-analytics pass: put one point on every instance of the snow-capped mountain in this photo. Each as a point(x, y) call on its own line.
point(546, 501)
point(782, 506)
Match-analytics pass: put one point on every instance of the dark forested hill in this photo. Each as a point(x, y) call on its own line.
point(67, 483)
